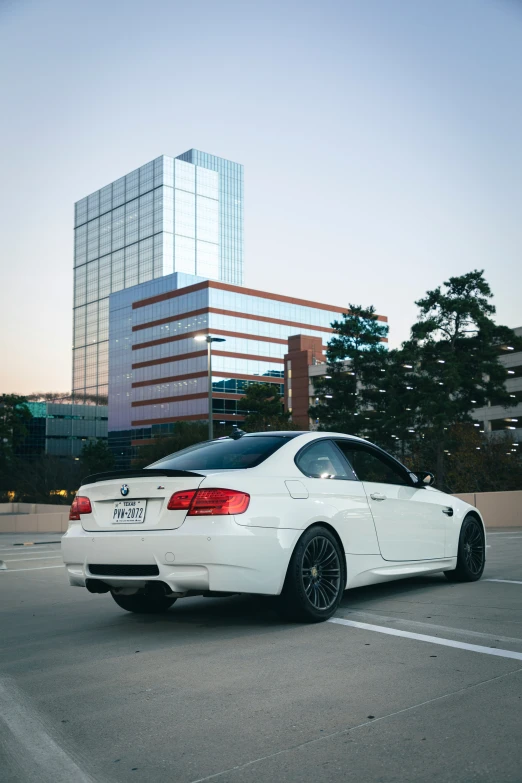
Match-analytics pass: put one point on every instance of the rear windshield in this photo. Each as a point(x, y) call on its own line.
point(226, 454)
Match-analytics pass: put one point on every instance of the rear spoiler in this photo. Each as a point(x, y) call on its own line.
point(112, 475)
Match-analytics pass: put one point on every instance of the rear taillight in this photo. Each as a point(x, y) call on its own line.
point(209, 502)
point(80, 505)
point(218, 501)
point(180, 501)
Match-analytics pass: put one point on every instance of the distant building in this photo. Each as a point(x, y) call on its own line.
point(62, 430)
point(304, 363)
point(181, 214)
point(495, 418)
point(158, 372)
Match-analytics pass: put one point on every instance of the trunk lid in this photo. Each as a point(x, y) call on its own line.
point(109, 493)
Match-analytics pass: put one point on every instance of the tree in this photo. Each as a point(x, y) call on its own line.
point(96, 457)
point(184, 434)
point(474, 461)
point(349, 396)
point(477, 462)
point(449, 366)
point(48, 479)
point(412, 399)
point(78, 398)
point(265, 411)
point(14, 418)
point(49, 396)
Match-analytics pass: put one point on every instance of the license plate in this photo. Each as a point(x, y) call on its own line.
point(129, 511)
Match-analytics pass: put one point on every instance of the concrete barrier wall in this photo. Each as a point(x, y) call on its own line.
point(32, 508)
point(498, 509)
point(34, 523)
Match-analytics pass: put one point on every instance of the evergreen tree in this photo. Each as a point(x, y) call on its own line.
point(449, 366)
point(96, 457)
point(184, 434)
point(264, 408)
point(46, 479)
point(14, 418)
point(350, 395)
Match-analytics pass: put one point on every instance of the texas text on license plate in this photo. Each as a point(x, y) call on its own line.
point(129, 511)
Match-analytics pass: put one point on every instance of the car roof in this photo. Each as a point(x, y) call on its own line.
point(296, 433)
point(278, 433)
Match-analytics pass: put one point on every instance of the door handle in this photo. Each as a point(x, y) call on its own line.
point(448, 511)
point(377, 496)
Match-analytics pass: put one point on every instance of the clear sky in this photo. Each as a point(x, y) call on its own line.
point(381, 139)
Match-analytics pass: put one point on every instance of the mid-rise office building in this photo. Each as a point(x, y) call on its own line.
point(62, 430)
point(159, 372)
point(171, 215)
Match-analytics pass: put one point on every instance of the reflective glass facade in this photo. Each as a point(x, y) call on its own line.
point(158, 371)
point(171, 215)
point(230, 212)
point(62, 430)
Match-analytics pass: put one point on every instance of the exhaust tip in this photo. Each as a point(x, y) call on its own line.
point(158, 589)
point(96, 586)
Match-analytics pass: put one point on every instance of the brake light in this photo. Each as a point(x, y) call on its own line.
point(218, 501)
point(209, 502)
point(80, 505)
point(180, 501)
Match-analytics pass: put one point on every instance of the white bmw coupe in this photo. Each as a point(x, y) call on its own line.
point(300, 515)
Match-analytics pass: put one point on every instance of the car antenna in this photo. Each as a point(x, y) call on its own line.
point(236, 433)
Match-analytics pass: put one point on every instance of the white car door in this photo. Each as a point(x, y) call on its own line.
point(336, 496)
point(410, 521)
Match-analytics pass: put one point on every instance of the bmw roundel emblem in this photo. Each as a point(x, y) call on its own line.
point(124, 490)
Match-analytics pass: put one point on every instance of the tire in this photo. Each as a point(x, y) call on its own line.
point(471, 553)
point(143, 604)
point(316, 578)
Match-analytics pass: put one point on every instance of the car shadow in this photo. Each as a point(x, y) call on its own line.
point(396, 588)
point(255, 612)
point(238, 611)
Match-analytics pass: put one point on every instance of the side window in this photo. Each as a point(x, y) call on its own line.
point(369, 465)
point(323, 460)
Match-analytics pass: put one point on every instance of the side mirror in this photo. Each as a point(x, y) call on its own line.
point(424, 478)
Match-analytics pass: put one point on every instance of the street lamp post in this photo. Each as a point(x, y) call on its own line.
point(206, 338)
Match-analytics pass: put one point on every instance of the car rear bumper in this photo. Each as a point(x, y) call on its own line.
point(205, 553)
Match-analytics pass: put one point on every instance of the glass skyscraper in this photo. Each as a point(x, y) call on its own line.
point(181, 214)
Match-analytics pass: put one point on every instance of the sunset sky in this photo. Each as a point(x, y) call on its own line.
point(381, 139)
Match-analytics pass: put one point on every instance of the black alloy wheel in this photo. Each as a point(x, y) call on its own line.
point(321, 572)
point(471, 556)
point(316, 577)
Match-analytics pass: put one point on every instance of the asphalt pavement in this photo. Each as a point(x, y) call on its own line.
point(416, 680)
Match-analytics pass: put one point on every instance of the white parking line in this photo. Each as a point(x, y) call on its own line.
point(431, 639)
point(25, 559)
point(507, 536)
point(506, 533)
point(505, 581)
point(27, 728)
point(38, 568)
point(506, 539)
point(26, 549)
point(494, 637)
